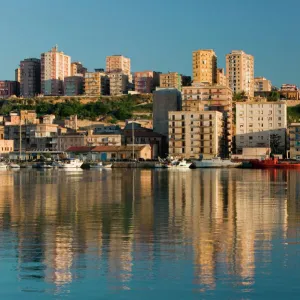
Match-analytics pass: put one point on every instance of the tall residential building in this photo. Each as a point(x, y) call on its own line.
point(240, 72)
point(206, 97)
point(73, 85)
point(119, 63)
point(30, 84)
point(170, 80)
point(195, 134)
point(261, 84)
point(8, 88)
point(55, 66)
point(118, 83)
point(77, 68)
point(96, 83)
point(261, 124)
point(221, 77)
point(146, 82)
point(164, 100)
point(205, 66)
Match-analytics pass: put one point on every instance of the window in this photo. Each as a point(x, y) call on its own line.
point(250, 138)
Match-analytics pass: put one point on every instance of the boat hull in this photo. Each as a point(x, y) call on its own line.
point(216, 164)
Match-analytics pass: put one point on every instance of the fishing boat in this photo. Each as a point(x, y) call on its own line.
point(215, 162)
point(71, 163)
point(274, 163)
point(97, 165)
point(179, 164)
point(14, 166)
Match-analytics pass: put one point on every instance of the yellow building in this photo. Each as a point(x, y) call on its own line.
point(221, 77)
point(194, 133)
point(96, 83)
point(205, 66)
point(261, 84)
point(240, 72)
point(170, 80)
point(77, 68)
point(119, 63)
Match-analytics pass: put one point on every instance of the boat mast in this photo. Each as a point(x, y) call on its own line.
point(20, 142)
point(132, 139)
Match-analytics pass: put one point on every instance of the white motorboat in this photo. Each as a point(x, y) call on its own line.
point(71, 164)
point(180, 164)
point(109, 166)
point(3, 166)
point(14, 166)
point(97, 165)
point(216, 162)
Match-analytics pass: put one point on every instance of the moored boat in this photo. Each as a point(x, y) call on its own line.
point(180, 164)
point(215, 162)
point(3, 166)
point(97, 165)
point(14, 166)
point(71, 163)
point(274, 163)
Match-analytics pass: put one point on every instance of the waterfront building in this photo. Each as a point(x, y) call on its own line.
point(194, 134)
point(240, 72)
point(294, 140)
point(289, 92)
point(77, 68)
point(221, 77)
point(8, 88)
point(103, 139)
point(261, 84)
point(72, 139)
point(73, 85)
point(145, 82)
point(55, 66)
point(205, 66)
point(164, 100)
point(118, 83)
point(96, 83)
point(261, 124)
point(30, 80)
point(206, 97)
point(171, 80)
point(143, 136)
point(119, 64)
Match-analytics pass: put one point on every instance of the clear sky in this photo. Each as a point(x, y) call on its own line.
point(156, 34)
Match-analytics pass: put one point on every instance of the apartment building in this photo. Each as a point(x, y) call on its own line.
point(55, 66)
point(206, 97)
point(170, 80)
point(261, 84)
point(18, 75)
point(294, 140)
point(73, 85)
point(118, 83)
point(96, 83)
point(205, 66)
point(8, 88)
point(195, 134)
point(261, 124)
point(221, 77)
point(119, 64)
point(146, 82)
point(30, 80)
point(240, 72)
point(289, 92)
point(77, 68)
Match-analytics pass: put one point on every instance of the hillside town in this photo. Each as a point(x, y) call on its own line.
point(212, 113)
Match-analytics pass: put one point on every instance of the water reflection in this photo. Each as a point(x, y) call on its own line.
point(136, 228)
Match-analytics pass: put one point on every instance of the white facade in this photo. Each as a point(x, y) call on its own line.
point(256, 123)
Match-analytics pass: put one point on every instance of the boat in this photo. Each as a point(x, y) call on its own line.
point(108, 166)
point(44, 165)
point(14, 166)
point(179, 164)
point(3, 166)
point(215, 162)
point(160, 165)
point(97, 165)
point(274, 163)
point(71, 163)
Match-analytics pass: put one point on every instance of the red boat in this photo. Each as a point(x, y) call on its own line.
point(274, 163)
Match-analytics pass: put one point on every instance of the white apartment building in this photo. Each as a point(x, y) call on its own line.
point(55, 66)
point(240, 72)
point(261, 124)
point(195, 133)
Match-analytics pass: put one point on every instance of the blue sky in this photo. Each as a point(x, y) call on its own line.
point(156, 34)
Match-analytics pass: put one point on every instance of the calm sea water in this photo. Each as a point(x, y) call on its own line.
point(150, 234)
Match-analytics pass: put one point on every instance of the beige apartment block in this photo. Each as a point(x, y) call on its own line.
point(258, 124)
point(240, 72)
point(170, 80)
point(192, 134)
point(55, 66)
point(18, 75)
point(119, 63)
point(145, 82)
point(77, 68)
point(261, 84)
point(118, 83)
point(294, 139)
point(96, 83)
point(205, 66)
point(204, 97)
point(221, 77)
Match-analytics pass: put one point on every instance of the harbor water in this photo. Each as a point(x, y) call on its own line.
point(149, 234)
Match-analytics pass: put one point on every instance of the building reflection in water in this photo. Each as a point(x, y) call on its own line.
point(118, 222)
